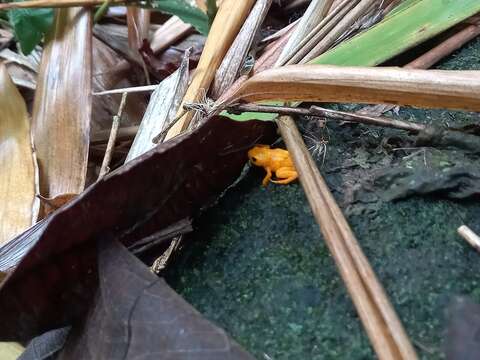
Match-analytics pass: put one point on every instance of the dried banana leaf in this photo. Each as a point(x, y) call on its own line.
point(18, 176)
point(62, 107)
point(50, 285)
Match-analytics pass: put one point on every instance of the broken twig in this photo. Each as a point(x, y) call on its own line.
point(330, 114)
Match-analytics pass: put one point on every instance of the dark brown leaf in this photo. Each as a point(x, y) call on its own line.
point(136, 315)
point(169, 183)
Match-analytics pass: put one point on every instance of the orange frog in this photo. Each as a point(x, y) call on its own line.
point(276, 161)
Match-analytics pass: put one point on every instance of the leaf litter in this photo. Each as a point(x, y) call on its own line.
point(153, 198)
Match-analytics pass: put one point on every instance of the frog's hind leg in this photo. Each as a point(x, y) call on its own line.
point(267, 177)
point(287, 175)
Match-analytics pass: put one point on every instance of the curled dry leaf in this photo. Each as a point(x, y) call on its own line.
point(50, 285)
point(62, 108)
point(423, 88)
point(18, 205)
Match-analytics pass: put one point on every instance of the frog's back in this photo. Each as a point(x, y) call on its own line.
point(281, 157)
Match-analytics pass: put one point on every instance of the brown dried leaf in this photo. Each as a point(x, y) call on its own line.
point(62, 108)
point(18, 205)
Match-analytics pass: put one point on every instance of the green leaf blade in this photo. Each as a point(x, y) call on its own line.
point(408, 27)
point(30, 26)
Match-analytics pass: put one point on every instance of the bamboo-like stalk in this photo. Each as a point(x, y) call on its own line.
point(225, 27)
point(378, 317)
point(315, 13)
point(18, 175)
point(266, 61)
point(236, 55)
point(62, 107)
point(57, 3)
point(319, 32)
point(344, 24)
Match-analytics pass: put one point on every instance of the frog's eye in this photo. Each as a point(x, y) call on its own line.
point(254, 159)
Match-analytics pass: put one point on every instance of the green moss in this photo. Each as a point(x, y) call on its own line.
point(259, 267)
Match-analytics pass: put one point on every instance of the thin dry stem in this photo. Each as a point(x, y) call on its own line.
point(111, 140)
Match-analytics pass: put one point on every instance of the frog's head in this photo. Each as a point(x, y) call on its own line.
point(259, 155)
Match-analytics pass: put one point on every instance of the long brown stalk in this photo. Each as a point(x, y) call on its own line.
point(378, 316)
point(445, 48)
point(424, 88)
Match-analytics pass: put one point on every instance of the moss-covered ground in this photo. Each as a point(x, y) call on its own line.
point(259, 267)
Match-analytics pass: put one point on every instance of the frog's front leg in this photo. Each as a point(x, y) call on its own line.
point(267, 177)
point(287, 174)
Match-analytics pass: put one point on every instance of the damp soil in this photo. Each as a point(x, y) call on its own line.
point(258, 265)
